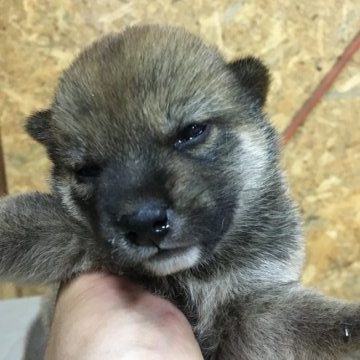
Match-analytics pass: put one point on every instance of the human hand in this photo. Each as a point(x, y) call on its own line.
point(101, 316)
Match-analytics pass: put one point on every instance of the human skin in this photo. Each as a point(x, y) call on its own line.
point(101, 316)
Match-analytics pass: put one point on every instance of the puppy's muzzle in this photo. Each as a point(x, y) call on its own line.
point(148, 225)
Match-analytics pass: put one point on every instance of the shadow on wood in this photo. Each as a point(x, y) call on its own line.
point(3, 185)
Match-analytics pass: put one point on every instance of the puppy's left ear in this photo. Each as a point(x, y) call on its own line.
point(38, 126)
point(253, 76)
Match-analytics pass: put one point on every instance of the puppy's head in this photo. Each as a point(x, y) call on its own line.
point(159, 144)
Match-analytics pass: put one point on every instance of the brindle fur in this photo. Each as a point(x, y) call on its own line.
point(119, 108)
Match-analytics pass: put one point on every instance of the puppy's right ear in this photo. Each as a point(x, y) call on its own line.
point(38, 126)
point(253, 76)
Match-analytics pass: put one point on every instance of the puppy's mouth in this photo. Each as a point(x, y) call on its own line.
point(170, 256)
point(169, 252)
point(170, 261)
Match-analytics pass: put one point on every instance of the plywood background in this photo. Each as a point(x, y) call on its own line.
point(298, 40)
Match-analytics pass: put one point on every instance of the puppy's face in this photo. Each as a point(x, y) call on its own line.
point(156, 143)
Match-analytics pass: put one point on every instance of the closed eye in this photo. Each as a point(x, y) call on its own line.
point(88, 171)
point(191, 135)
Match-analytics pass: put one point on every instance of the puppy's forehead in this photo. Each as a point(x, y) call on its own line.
point(146, 76)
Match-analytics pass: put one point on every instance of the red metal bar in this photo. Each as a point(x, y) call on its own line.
point(321, 89)
point(3, 184)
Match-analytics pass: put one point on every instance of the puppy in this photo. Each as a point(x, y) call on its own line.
point(166, 169)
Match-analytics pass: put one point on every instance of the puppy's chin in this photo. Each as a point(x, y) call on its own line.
point(163, 264)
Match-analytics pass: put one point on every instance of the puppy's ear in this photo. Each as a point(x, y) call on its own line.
point(253, 75)
point(38, 126)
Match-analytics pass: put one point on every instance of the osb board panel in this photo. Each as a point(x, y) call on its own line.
point(298, 40)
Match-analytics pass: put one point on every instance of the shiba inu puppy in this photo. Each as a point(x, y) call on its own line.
point(166, 169)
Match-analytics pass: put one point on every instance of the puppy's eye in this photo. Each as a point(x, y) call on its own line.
point(191, 135)
point(88, 171)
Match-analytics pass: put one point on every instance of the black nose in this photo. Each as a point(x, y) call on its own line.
point(147, 226)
